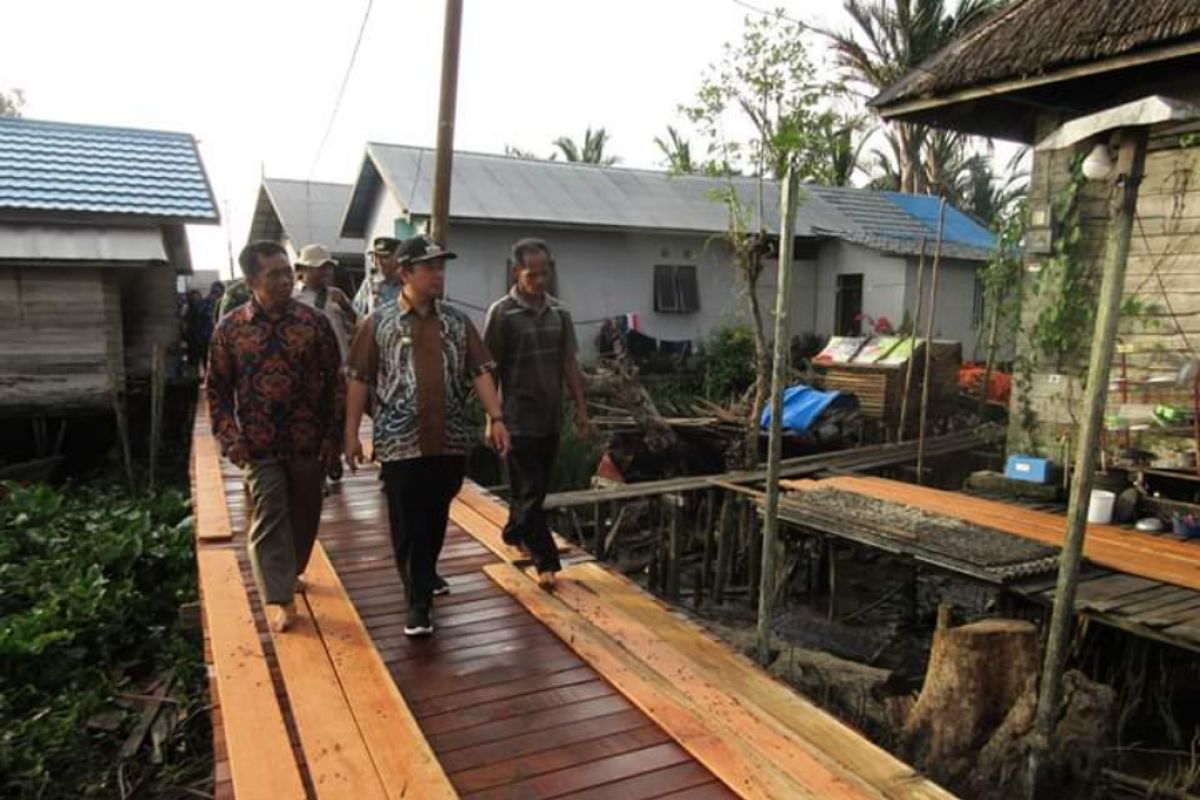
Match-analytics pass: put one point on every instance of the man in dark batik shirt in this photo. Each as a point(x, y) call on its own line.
point(277, 400)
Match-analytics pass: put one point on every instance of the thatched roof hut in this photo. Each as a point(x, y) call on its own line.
point(1073, 55)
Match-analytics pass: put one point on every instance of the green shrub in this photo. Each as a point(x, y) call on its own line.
point(90, 588)
point(728, 363)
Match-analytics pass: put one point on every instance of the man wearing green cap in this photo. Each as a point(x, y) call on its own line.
point(382, 285)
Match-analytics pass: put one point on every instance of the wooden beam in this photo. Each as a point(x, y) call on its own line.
point(261, 760)
point(711, 675)
point(715, 735)
point(211, 511)
point(406, 765)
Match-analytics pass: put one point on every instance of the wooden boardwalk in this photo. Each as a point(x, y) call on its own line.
point(595, 692)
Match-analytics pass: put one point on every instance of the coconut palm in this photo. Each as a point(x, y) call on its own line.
point(592, 151)
point(841, 151)
point(891, 37)
point(678, 151)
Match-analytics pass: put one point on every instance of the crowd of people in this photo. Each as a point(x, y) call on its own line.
point(293, 365)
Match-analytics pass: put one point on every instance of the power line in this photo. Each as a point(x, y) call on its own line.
point(342, 89)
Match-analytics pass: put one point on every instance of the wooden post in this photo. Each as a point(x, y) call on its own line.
point(674, 543)
point(451, 36)
point(707, 552)
point(117, 396)
point(779, 376)
point(156, 411)
point(1130, 164)
point(725, 530)
point(937, 262)
point(597, 531)
point(831, 554)
point(993, 335)
point(916, 322)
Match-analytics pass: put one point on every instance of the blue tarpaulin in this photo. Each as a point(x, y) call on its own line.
point(803, 405)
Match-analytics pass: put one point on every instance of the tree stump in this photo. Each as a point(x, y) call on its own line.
point(976, 673)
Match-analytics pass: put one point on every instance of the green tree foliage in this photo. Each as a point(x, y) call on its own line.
point(592, 151)
point(90, 589)
point(678, 152)
point(728, 363)
point(886, 40)
point(764, 84)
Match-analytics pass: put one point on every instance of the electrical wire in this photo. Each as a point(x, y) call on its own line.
point(337, 104)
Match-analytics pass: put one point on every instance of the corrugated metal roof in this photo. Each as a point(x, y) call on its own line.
point(306, 212)
point(504, 188)
point(84, 243)
point(94, 170)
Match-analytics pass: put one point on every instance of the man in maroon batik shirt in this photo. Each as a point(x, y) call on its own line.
point(277, 403)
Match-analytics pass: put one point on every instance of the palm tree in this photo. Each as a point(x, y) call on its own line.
point(677, 150)
point(844, 139)
point(517, 152)
point(890, 38)
point(592, 151)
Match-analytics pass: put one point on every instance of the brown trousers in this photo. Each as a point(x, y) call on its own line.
point(283, 524)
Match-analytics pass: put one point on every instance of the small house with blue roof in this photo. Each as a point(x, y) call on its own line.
point(92, 238)
point(647, 243)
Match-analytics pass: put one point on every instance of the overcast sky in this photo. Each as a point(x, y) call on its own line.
point(255, 80)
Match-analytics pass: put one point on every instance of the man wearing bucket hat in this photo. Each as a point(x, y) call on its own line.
point(314, 267)
point(382, 285)
point(420, 357)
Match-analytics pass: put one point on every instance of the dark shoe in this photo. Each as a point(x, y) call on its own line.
point(440, 587)
point(419, 622)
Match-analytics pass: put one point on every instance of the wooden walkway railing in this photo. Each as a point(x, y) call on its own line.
point(595, 691)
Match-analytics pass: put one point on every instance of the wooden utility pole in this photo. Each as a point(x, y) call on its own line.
point(451, 37)
point(1123, 205)
point(766, 594)
point(937, 263)
point(916, 326)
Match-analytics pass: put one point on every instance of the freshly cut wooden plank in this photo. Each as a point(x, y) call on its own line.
point(494, 510)
point(707, 669)
point(337, 758)
point(261, 762)
point(212, 513)
point(405, 763)
point(483, 529)
point(722, 745)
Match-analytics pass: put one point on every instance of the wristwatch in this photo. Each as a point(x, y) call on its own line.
point(495, 419)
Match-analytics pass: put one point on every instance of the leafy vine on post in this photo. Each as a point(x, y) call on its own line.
point(766, 85)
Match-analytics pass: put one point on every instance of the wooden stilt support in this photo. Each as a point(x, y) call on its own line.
point(1130, 164)
point(157, 386)
point(831, 556)
point(901, 433)
point(925, 376)
point(674, 543)
point(724, 547)
point(710, 500)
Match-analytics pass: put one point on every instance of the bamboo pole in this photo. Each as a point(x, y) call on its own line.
point(156, 411)
point(451, 37)
point(937, 262)
point(993, 335)
point(916, 325)
point(783, 296)
point(1123, 205)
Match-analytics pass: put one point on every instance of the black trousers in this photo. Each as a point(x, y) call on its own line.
point(419, 491)
point(530, 460)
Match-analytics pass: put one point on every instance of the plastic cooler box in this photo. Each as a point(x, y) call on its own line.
point(1027, 468)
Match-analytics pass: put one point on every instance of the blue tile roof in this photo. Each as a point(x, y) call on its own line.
point(94, 170)
point(960, 228)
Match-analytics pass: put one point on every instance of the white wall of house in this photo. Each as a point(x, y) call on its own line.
point(883, 284)
point(954, 316)
point(608, 273)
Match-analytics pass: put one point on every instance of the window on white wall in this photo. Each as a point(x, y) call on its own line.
point(676, 290)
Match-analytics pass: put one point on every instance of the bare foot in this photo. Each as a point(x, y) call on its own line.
point(281, 616)
point(301, 586)
point(546, 580)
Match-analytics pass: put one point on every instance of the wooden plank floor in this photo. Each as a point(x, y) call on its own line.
point(509, 710)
